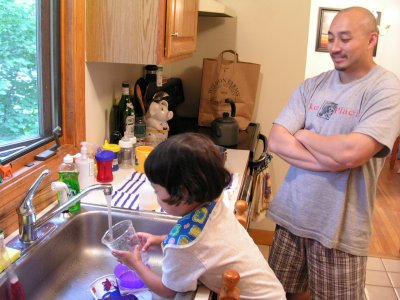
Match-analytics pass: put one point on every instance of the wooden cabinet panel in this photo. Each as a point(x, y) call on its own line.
point(122, 31)
point(181, 27)
point(139, 31)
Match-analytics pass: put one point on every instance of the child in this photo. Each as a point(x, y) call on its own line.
point(187, 172)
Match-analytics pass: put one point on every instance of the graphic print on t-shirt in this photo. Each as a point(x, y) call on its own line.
point(327, 109)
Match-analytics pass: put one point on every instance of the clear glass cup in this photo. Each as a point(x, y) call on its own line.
point(122, 236)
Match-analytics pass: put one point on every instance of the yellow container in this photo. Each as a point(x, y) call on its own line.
point(141, 153)
point(116, 149)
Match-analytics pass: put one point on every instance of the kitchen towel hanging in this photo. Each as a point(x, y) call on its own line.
point(222, 79)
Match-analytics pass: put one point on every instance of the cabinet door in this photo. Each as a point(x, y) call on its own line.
point(181, 27)
point(124, 31)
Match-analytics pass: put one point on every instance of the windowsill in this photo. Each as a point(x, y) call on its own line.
point(13, 190)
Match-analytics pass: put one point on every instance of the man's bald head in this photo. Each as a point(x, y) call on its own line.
point(362, 16)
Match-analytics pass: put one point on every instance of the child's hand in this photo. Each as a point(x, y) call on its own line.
point(130, 259)
point(148, 240)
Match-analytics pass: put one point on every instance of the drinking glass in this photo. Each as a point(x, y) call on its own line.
point(121, 236)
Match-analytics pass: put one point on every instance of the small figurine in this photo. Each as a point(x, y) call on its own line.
point(156, 122)
point(229, 290)
point(6, 171)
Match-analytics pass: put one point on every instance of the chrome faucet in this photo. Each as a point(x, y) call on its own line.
point(27, 222)
point(26, 212)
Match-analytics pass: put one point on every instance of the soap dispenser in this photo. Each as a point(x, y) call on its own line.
point(85, 166)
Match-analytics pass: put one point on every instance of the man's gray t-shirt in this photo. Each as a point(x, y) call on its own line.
point(335, 208)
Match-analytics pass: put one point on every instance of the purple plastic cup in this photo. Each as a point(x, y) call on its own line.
point(127, 278)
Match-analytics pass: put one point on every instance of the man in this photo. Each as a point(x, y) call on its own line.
point(335, 133)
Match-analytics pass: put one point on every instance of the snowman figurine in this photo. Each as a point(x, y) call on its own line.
point(157, 118)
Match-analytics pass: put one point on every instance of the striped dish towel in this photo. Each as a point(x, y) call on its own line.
point(126, 194)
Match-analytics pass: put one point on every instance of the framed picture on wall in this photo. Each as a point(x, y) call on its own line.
point(325, 18)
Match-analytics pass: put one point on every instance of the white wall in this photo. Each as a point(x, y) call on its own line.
point(388, 45)
point(272, 33)
point(103, 84)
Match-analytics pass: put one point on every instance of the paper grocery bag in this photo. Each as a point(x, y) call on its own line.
point(224, 79)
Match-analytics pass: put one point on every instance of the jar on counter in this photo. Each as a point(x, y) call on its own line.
point(140, 129)
point(127, 152)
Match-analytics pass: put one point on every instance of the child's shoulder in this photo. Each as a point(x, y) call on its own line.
point(190, 226)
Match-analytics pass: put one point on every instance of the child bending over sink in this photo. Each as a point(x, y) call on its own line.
point(188, 174)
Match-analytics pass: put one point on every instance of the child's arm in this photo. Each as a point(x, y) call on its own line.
point(148, 240)
point(134, 261)
point(153, 281)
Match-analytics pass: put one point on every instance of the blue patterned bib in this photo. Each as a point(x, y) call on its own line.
point(189, 227)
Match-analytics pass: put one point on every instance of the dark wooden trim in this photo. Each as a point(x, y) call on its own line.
point(73, 71)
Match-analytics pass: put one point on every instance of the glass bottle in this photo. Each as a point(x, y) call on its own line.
point(159, 73)
point(125, 108)
point(140, 129)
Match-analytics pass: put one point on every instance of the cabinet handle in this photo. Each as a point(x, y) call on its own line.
point(175, 34)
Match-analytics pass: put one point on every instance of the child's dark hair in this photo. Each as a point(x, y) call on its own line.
point(188, 162)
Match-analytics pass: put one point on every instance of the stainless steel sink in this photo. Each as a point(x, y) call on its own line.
point(70, 255)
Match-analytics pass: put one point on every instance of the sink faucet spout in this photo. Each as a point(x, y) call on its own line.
point(29, 227)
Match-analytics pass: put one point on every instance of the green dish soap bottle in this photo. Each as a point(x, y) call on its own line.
point(68, 173)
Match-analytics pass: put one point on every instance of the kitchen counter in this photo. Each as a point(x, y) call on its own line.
point(236, 163)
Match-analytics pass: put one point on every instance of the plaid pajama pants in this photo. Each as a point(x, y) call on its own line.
point(301, 264)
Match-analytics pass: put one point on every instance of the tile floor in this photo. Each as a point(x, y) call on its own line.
point(383, 277)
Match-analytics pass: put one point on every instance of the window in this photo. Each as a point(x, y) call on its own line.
point(29, 75)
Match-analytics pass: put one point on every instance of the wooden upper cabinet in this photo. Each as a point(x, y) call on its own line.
point(140, 31)
point(181, 27)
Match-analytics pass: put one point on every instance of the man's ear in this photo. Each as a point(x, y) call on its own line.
point(373, 40)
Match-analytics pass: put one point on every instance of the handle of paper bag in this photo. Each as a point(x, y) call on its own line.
point(221, 59)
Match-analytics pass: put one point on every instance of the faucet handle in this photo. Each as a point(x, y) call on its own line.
point(26, 203)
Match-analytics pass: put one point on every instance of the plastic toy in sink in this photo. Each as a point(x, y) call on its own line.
point(105, 287)
point(128, 281)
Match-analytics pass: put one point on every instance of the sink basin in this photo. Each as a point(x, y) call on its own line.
point(70, 255)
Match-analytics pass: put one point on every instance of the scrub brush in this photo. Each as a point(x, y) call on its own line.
point(16, 290)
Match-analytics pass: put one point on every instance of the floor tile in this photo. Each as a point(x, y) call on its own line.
point(395, 279)
point(397, 292)
point(378, 278)
point(375, 263)
point(391, 265)
point(380, 292)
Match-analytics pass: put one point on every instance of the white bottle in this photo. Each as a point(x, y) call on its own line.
point(148, 197)
point(85, 165)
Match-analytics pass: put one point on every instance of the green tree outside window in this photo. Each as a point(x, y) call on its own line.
point(19, 107)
